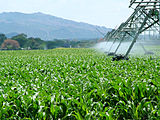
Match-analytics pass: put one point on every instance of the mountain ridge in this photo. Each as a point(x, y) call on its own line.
point(47, 27)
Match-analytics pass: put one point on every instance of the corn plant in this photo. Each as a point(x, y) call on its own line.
point(77, 84)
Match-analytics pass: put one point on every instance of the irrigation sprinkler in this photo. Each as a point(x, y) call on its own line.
point(100, 32)
point(108, 37)
point(146, 15)
point(112, 37)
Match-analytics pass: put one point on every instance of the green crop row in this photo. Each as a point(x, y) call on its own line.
point(77, 84)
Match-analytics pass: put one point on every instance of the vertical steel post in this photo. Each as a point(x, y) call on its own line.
point(136, 36)
point(120, 43)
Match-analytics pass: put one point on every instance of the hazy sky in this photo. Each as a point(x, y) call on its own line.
point(109, 13)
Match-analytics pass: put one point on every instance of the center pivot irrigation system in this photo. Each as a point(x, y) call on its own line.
point(146, 17)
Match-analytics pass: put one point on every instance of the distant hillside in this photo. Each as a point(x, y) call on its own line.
point(10, 35)
point(47, 27)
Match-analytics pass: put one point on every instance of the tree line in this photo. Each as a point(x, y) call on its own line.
point(21, 41)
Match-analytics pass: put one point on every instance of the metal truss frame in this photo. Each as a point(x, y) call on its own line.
point(146, 16)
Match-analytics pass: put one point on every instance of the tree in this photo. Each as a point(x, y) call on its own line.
point(10, 44)
point(2, 38)
point(35, 43)
point(22, 39)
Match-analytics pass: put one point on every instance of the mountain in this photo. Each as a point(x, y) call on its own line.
point(10, 35)
point(47, 27)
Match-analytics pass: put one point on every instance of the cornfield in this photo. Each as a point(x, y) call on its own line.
point(77, 84)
